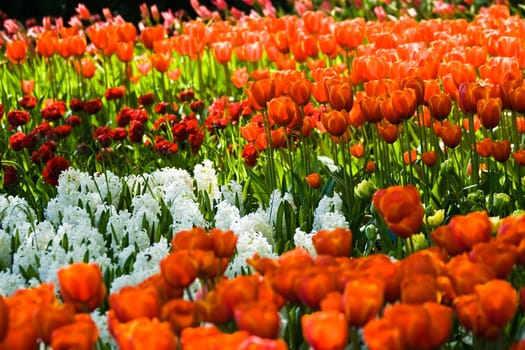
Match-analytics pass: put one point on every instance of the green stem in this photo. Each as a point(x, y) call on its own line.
point(473, 154)
point(354, 335)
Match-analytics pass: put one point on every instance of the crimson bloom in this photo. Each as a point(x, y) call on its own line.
point(53, 168)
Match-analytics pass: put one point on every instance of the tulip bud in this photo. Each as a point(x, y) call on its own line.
point(365, 189)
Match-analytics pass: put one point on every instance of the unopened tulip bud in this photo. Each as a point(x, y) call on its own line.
point(436, 219)
point(371, 233)
point(365, 189)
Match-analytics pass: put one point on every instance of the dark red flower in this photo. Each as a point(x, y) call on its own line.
point(250, 155)
point(62, 130)
point(92, 106)
point(53, 168)
point(136, 131)
point(73, 120)
point(16, 141)
point(161, 107)
point(186, 95)
point(28, 102)
point(43, 154)
point(44, 130)
point(10, 175)
point(76, 105)
point(163, 146)
point(146, 99)
point(196, 139)
point(118, 134)
point(16, 118)
point(197, 106)
point(53, 111)
point(114, 93)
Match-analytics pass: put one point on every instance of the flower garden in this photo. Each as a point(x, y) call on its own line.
point(335, 178)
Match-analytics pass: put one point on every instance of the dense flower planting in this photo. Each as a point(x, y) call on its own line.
point(334, 178)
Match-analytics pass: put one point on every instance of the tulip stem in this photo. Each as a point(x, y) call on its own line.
point(473, 154)
point(355, 338)
point(227, 78)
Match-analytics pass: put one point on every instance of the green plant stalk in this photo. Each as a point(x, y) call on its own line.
point(473, 154)
point(354, 336)
point(348, 176)
point(270, 161)
point(228, 80)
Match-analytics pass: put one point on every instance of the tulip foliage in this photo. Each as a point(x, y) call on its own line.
point(407, 130)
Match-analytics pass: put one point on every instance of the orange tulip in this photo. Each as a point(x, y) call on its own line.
point(517, 99)
point(46, 45)
point(179, 269)
point(76, 45)
point(357, 150)
point(450, 134)
point(144, 333)
point(87, 67)
point(468, 96)
point(222, 51)
point(362, 300)
point(81, 334)
point(16, 51)
point(429, 158)
point(160, 61)
point(314, 180)
point(82, 285)
point(4, 318)
point(350, 34)
point(335, 122)
point(325, 330)
point(21, 329)
point(259, 319)
point(180, 314)
point(135, 302)
point(195, 238)
point(380, 334)
point(489, 112)
point(300, 91)
point(519, 157)
point(224, 242)
point(371, 109)
point(370, 166)
point(260, 92)
point(340, 95)
point(401, 208)
point(440, 106)
point(388, 132)
point(49, 317)
point(419, 288)
point(285, 112)
point(241, 289)
point(124, 51)
point(500, 150)
point(336, 242)
point(496, 254)
point(313, 284)
point(410, 157)
point(499, 301)
point(463, 232)
point(150, 35)
point(484, 147)
point(418, 85)
point(425, 326)
point(486, 311)
point(466, 274)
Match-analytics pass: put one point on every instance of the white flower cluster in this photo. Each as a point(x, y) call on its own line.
point(328, 215)
point(119, 223)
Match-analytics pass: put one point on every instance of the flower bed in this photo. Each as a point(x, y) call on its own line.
point(263, 181)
